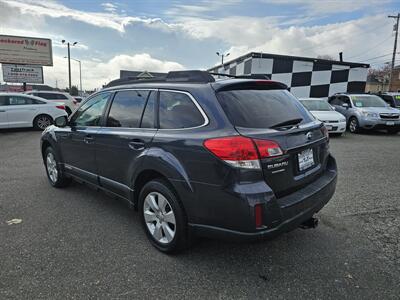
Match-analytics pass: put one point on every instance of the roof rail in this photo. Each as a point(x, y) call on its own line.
point(191, 76)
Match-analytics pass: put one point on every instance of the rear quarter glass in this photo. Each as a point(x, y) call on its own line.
point(261, 108)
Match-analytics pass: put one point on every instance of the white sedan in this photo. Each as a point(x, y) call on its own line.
point(20, 110)
point(335, 122)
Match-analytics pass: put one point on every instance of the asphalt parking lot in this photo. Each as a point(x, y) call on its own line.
point(80, 243)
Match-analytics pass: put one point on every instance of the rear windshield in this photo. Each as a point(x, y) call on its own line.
point(316, 105)
point(261, 108)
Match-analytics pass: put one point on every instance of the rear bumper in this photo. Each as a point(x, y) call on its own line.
point(294, 209)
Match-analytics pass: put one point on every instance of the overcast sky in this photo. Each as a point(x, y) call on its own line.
point(170, 35)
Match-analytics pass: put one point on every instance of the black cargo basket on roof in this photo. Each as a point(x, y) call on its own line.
point(192, 76)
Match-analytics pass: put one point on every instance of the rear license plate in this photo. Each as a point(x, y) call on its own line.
point(306, 159)
point(390, 123)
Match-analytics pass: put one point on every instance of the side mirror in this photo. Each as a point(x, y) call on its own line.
point(61, 121)
point(345, 105)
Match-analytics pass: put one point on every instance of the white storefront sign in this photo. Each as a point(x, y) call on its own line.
point(22, 73)
point(25, 50)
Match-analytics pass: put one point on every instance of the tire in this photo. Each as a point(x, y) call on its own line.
point(42, 121)
point(166, 228)
point(393, 131)
point(354, 126)
point(54, 173)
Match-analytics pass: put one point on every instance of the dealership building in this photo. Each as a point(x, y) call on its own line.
point(305, 77)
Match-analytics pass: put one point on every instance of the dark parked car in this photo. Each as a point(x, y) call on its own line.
point(393, 99)
point(235, 158)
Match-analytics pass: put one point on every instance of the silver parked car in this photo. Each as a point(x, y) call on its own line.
point(365, 111)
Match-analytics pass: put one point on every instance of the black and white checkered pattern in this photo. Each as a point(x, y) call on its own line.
point(306, 77)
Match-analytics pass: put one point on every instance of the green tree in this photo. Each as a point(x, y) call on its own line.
point(74, 91)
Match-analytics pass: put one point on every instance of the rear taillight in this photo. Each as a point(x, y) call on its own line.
point(61, 107)
point(268, 148)
point(242, 152)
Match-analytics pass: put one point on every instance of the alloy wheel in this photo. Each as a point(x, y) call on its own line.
point(43, 122)
point(51, 166)
point(353, 125)
point(159, 217)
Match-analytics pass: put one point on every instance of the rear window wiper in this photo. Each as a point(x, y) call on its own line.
point(288, 123)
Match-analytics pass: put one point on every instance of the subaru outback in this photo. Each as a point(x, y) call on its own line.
point(240, 159)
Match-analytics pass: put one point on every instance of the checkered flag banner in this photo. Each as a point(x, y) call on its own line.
point(305, 77)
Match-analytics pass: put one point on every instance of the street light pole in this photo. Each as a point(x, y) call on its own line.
point(80, 77)
point(69, 63)
point(69, 69)
point(222, 56)
point(80, 71)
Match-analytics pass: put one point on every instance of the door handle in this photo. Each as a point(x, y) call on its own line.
point(136, 144)
point(88, 139)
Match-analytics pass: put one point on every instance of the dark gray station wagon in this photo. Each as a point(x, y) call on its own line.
point(234, 158)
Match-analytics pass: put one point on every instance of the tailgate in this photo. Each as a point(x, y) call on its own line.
point(305, 156)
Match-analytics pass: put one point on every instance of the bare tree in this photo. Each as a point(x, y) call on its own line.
point(381, 74)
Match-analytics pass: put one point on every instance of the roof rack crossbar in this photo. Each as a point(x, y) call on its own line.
point(191, 76)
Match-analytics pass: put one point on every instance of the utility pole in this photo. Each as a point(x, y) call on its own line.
point(69, 63)
point(396, 29)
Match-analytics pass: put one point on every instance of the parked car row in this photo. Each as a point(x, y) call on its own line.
point(21, 110)
point(36, 109)
point(357, 112)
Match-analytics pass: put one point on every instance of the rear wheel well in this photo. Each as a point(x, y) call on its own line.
point(68, 110)
point(142, 179)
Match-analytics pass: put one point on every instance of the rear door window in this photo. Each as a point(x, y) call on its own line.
point(261, 108)
point(19, 100)
point(127, 108)
point(52, 96)
point(177, 111)
point(335, 101)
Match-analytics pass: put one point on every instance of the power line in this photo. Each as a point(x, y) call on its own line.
point(374, 47)
point(376, 57)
